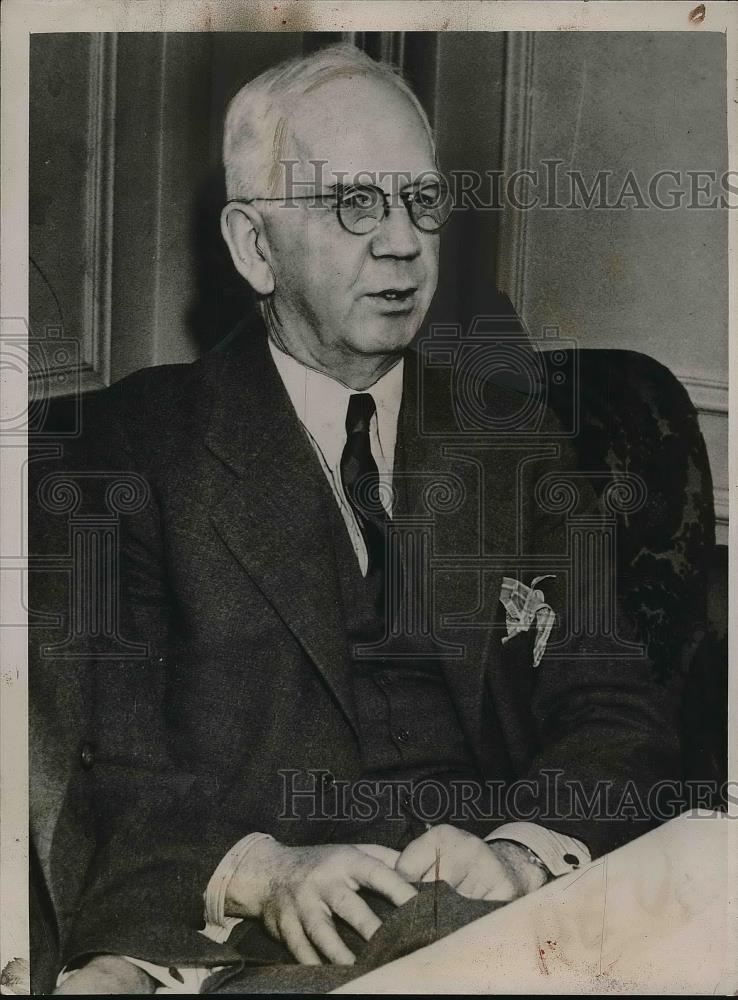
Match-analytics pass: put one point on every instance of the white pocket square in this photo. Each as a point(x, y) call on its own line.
point(524, 606)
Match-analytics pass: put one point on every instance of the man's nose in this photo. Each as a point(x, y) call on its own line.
point(396, 236)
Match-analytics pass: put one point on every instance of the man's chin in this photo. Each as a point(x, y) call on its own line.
point(389, 336)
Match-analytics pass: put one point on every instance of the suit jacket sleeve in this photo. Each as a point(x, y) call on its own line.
point(158, 833)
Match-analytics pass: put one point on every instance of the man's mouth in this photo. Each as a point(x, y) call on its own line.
point(394, 294)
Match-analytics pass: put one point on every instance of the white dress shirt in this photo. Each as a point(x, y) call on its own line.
point(321, 403)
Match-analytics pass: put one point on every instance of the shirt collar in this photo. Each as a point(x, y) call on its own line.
point(321, 402)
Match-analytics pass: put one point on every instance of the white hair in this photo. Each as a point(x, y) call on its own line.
point(257, 131)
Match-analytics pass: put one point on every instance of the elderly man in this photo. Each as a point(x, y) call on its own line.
point(263, 580)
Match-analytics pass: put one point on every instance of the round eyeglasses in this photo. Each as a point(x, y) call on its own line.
point(361, 208)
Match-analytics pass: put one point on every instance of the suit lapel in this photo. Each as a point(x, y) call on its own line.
point(273, 516)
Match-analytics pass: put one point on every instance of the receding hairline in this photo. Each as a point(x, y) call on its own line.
point(291, 118)
point(268, 97)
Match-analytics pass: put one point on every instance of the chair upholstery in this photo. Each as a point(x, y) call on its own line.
point(636, 417)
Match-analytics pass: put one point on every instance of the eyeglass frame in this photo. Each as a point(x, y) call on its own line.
point(404, 196)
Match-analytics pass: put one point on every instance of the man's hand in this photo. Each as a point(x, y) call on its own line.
point(107, 974)
point(295, 891)
point(499, 871)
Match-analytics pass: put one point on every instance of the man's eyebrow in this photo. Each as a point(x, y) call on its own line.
point(421, 181)
point(425, 180)
point(340, 186)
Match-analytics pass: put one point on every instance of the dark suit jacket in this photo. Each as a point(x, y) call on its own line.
point(229, 575)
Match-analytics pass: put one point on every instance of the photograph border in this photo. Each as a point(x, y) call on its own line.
point(22, 18)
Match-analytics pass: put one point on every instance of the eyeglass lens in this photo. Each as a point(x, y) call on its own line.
point(362, 209)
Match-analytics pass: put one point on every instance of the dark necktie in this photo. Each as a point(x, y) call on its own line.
point(360, 478)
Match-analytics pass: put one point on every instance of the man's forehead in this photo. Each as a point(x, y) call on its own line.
point(358, 128)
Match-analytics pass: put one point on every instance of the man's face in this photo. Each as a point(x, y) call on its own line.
point(339, 294)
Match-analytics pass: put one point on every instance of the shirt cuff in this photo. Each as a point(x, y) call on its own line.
point(560, 854)
point(217, 925)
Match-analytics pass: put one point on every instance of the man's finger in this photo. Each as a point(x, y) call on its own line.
point(292, 934)
point(503, 892)
point(386, 854)
point(352, 908)
point(322, 932)
point(419, 858)
point(471, 888)
point(376, 875)
point(445, 854)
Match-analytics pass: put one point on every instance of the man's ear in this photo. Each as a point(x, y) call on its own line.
point(243, 230)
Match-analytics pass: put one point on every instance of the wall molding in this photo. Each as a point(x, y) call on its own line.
point(709, 394)
point(710, 397)
point(91, 370)
point(722, 513)
point(516, 146)
point(99, 235)
point(387, 46)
